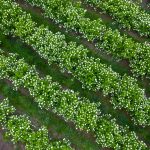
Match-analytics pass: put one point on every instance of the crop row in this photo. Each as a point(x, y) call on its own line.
point(66, 103)
point(126, 13)
point(93, 75)
point(20, 129)
point(73, 16)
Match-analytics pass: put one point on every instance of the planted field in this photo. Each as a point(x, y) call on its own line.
point(74, 75)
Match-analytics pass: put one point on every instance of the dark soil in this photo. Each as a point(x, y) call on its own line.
point(145, 4)
point(107, 18)
point(4, 145)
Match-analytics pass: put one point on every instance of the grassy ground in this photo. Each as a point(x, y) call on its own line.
point(56, 126)
point(120, 67)
point(107, 19)
point(38, 18)
point(14, 45)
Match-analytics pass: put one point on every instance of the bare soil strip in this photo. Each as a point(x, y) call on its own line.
point(108, 19)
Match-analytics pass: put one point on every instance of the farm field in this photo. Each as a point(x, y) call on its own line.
point(74, 75)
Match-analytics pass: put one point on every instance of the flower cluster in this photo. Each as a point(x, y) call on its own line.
point(49, 95)
point(72, 16)
point(126, 13)
point(5, 110)
point(89, 71)
point(20, 129)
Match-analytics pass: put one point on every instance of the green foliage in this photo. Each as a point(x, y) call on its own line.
point(89, 71)
point(5, 111)
point(66, 103)
point(72, 16)
point(20, 129)
point(126, 13)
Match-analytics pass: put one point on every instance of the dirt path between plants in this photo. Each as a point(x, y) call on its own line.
point(104, 100)
point(3, 144)
point(73, 34)
point(55, 135)
point(89, 45)
point(107, 18)
point(145, 4)
point(144, 83)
